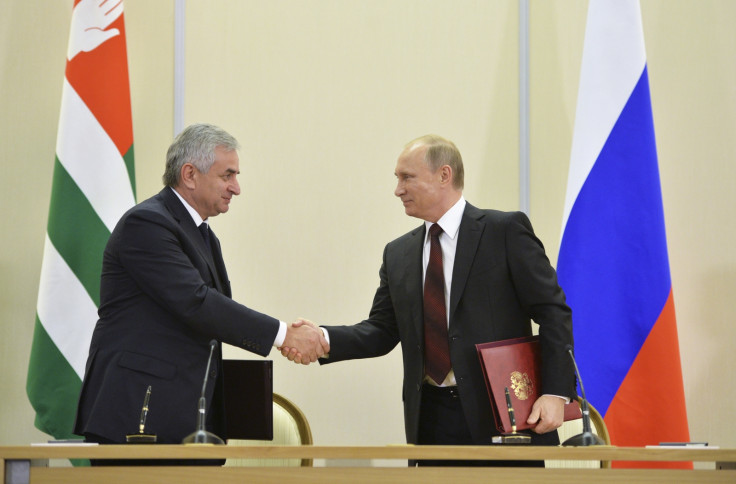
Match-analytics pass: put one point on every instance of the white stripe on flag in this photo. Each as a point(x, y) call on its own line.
point(90, 157)
point(65, 309)
point(605, 87)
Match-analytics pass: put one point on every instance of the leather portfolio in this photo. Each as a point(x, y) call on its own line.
point(248, 399)
point(515, 364)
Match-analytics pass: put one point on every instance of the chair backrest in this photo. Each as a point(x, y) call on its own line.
point(575, 427)
point(599, 426)
point(290, 427)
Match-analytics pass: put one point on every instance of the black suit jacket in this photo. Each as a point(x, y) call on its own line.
point(501, 279)
point(163, 297)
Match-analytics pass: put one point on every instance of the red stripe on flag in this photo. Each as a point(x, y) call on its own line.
point(649, 407)
point(100, 77)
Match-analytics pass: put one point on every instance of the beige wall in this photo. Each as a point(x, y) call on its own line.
point(322, 95)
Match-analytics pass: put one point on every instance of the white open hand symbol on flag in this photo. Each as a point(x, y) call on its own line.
point(90, 18)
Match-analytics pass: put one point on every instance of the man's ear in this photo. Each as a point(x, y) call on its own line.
point(445, 174)
point(188, 174)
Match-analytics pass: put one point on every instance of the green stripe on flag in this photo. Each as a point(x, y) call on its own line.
point(77, 231)
point(129, 159)
point(52, 386)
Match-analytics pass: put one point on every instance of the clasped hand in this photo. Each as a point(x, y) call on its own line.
point(304, 342)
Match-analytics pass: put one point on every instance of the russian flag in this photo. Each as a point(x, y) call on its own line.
point(613, 262)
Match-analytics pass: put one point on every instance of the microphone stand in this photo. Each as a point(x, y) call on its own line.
point(202, 436)
point(587, 437)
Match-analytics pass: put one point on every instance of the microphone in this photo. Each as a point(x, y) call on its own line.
point(587, 437)
point(202, 436)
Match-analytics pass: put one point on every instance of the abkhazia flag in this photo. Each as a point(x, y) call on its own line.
point(93, 185)
point(613, 262)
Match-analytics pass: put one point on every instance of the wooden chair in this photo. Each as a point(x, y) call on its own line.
point(575, 427)
point(290, 427)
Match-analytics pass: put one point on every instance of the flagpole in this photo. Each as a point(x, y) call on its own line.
point(179, 64)
point(524, 106)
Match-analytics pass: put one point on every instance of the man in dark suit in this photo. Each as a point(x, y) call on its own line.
point(164, 295)
point(491, 277)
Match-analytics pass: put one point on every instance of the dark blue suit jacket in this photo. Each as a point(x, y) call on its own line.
point(501, 279)
point(163, 297)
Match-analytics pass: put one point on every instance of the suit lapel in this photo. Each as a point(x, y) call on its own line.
point(186, 224)
point(412, 270)
point(469, 235)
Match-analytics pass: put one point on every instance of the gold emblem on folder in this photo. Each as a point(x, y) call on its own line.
point(521, 384)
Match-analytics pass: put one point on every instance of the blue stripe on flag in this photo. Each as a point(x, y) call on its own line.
point(613, 256)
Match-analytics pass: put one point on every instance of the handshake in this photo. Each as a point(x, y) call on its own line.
point(304, 343)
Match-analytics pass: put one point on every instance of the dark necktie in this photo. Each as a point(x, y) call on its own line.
point(436, 346)
point(204, 229)
point(214, 255)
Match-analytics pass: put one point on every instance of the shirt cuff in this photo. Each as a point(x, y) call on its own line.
point(566, 399)
point(327, 337)
point(281, 335)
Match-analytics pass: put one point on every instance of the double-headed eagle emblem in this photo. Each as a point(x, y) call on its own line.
point(522, 385)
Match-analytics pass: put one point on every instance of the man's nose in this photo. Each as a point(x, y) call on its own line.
point(399, 189)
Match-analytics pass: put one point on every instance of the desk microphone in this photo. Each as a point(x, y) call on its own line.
point(587, 437)
point(202, 436)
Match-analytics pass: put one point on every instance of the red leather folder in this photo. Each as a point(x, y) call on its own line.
point(514, 364)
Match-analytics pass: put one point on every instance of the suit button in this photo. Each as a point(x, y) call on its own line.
point(213, 373)
point(419, 387)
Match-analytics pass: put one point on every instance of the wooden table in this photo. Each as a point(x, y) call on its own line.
point(16, 464)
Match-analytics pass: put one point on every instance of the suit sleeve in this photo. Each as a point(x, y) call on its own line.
point(375, 336)
point(164, 265)
point(539, 293)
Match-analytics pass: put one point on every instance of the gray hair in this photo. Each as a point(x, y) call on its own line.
point(440, 152)
point(196, 145)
